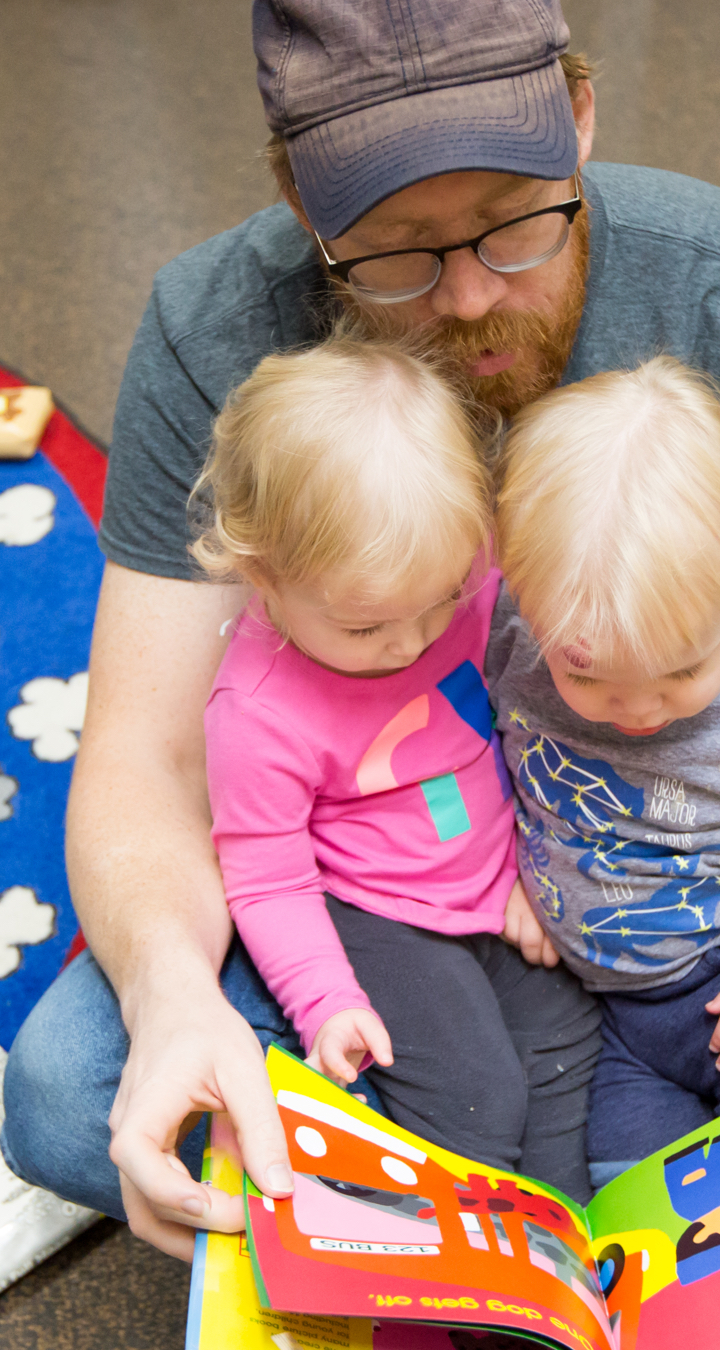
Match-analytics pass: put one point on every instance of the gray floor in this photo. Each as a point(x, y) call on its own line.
point(130, 131)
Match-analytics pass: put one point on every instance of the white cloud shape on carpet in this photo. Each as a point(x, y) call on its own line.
point(24, 921)
point(51, 715)
point(26, 514)
point(8, 788)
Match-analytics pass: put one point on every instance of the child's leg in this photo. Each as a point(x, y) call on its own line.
point(634, 1111)
point(461, 1075)
point(656, 1078)
point(456, 1078)
point(555, 1028)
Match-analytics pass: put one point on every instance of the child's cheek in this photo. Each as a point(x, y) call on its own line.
point(582, 701)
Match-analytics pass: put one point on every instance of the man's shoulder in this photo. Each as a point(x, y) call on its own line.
point(653, 281)
point(261, 264)
point(656, 202)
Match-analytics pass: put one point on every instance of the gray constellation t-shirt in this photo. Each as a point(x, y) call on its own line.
point(217, 310)
point(619, 836)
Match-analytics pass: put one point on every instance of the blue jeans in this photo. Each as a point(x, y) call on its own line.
point(64, 1070)
point(65, 1065)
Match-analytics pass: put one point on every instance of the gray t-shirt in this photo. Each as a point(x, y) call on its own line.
point(619, 836)
point(215, 311)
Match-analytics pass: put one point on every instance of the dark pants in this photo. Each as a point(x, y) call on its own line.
point(493, 1057)
point(656, 1078)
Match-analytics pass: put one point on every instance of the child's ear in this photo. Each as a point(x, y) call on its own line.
point(258, 579)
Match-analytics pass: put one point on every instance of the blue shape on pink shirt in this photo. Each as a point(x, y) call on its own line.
point(464, 690)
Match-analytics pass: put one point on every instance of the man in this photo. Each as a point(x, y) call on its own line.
point(427, 125)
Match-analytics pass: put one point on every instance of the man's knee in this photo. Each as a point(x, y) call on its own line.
point(60, 1081)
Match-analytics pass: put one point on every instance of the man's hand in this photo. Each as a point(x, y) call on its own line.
point(148, 892)
point(523, 930)
point(343, 1042)
point(714, 1007)
point(184, 1062)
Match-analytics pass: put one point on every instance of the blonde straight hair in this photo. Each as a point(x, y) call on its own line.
point(608, 514)
point(353, 460)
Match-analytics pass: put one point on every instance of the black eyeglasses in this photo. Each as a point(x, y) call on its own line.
point(515, 246)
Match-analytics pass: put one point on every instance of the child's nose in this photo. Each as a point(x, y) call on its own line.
point(408, 644)
point(640, 702)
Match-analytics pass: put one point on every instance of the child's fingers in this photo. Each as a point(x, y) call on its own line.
point(531, 946)
point(343, 1042)
point(333, 1060)
point(511, 931)
point(532, 939)
point(377, 1040)
point(550, 957)
point(318, 1061)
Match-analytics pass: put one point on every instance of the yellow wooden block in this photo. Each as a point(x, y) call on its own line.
point(24, 415)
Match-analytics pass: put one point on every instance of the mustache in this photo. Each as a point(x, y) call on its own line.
point(506, 331)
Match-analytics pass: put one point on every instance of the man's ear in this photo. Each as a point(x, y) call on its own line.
point(583, 106)
point(292, 197)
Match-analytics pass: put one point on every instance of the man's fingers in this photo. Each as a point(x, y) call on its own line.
point(255, 1118)
point(170, 1237)
point(156, 1174)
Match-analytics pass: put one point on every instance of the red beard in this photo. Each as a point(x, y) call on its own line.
point(541, 342)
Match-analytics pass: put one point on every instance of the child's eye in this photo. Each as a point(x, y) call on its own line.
point(583, 680)
point(363, 632)
point(688, 674)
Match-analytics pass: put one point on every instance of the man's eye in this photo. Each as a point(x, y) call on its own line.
point(363, 632)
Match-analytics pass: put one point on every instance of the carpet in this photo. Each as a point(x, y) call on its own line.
point(50, 571)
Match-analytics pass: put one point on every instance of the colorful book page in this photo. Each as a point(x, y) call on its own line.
point(224, 1311)
point(656, 1238)
point(386, 1224)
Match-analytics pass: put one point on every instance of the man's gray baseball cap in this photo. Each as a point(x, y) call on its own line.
point(373, 95)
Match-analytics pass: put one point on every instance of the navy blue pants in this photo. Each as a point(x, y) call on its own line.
point(656, 1078)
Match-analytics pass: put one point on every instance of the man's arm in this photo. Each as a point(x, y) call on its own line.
point(149, 896)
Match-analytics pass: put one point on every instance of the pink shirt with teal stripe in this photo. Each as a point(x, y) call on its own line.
point(390, 793)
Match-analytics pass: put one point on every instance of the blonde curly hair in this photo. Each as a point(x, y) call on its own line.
point(353, 459)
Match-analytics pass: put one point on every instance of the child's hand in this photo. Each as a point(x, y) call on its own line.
point(343, 1042)
point(523, 930)
point(714, 1007)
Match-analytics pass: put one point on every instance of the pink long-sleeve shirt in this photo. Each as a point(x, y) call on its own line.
point(391, 793)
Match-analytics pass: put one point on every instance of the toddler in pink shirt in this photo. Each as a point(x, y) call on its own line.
point(362, 812)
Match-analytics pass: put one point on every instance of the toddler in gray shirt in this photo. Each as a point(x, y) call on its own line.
point(604, 669)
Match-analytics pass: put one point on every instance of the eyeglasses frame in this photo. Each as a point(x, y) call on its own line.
point(569, 209)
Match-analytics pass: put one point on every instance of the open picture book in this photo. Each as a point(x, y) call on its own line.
point(392, 1243)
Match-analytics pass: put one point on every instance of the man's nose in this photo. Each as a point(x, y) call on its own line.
point(467, 289)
